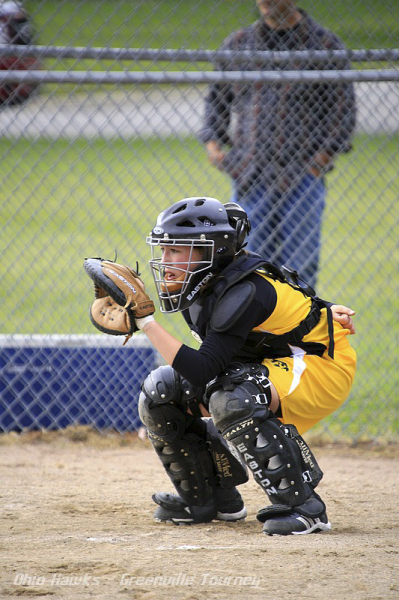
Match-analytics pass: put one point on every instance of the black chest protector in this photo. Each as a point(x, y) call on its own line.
point(221, 308)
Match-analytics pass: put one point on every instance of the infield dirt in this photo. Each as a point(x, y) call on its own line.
point(77, 524)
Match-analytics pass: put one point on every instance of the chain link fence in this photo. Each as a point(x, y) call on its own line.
point(101, 122)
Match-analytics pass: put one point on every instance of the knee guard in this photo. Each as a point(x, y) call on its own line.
point(239, 397)
point(159, 405)
point(178, 438)
point(280, 460)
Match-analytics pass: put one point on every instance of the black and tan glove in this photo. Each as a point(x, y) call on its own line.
point(120, 297)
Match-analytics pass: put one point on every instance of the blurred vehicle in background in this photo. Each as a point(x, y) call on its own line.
point(16, 29)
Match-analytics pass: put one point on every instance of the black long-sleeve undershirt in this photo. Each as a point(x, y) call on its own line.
point(218, 349)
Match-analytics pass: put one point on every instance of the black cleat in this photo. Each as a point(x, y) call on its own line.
point(309, 517)
point(296, 524)
point(172, 509)
point(229, 505)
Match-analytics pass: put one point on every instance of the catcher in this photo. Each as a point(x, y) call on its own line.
point(274, 360)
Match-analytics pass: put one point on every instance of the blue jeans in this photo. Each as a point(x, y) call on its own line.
point(286, 227)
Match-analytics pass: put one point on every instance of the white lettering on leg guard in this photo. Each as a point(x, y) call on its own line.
point(253, 465)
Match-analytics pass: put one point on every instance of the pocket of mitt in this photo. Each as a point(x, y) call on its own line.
point(109, 317)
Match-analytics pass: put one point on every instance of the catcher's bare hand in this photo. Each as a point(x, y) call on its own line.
point(343, 315)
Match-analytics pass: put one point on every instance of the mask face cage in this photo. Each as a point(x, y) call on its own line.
point(178, 283)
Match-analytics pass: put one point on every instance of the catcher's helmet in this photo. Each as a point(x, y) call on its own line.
point(202, 224)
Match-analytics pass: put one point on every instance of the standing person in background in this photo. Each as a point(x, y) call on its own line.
point(287, 136)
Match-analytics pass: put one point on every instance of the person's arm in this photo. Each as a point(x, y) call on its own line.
point(218, 103)
point(335, 114)
point(218, 349)
point(163, 341)
point(215, 129)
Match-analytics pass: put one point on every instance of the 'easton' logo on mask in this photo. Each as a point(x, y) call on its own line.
point(197, 288)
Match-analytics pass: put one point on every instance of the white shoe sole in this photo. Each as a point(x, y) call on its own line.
point(175, 521)
point(231, 517)
point(238, 516)
point(314, 529)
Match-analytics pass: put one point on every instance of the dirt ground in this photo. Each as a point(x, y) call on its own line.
point(76, 523)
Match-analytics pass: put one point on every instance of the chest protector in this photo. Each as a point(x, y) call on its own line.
point(222, 307)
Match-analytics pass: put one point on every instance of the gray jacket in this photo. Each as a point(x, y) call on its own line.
point(279, 128)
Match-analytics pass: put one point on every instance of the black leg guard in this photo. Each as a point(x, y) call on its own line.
point(280, 461)
point(185, 448)
point(230, 468)
point(178, 439)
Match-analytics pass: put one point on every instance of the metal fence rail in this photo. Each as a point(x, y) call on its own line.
point(219, 56)
point(201, 77)
point(99, 121)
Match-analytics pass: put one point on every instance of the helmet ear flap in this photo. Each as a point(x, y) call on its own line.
point(243, 228)
point(239, 220)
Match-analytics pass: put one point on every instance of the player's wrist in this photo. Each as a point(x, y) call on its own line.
point(143, 321)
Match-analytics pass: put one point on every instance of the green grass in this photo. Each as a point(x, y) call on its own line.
point(62, 201)
point(198, 23)
point(193, 24)
point(360, 260)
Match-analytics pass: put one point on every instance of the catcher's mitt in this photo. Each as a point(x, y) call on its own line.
point(120, 297)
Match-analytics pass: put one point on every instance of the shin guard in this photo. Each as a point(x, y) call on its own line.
point(280, 460)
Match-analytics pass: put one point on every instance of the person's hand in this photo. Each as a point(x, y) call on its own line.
point(343, 315)
point(215, 153)
point(319, 163)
